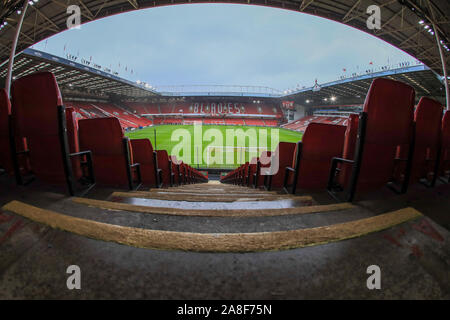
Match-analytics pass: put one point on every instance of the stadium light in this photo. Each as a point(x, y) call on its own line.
point(307, 101)
point(333, 98)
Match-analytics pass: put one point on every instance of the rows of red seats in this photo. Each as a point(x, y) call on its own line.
point(100, 110)
point(52, 146)
point(122, 114)
point(213, 121)
point(143, 108)
point(186, 108)
point(235, 122)
point(216, 121)
point(162, 113)
point(387, 144)
point(301, 124)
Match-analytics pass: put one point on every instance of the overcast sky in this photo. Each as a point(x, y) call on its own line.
point(224, 44)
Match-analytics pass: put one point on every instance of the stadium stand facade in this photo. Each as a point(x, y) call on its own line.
point(127, 119)
point(221, 111)
point(134, 115)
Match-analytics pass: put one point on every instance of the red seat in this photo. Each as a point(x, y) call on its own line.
point(252, 166)
point(262, 169)
point(187, 173)
point(281, 159)
point(165, 165)
point(444, 167)
point(175, 170)
point(227, 178)
point(143, 153)
point(348, 152)
point(427, 118)
point(385, 123)
point(199, 176)
point(72, 137)
point(312, 161)
point(6, 157)
point(111, 151)
point(243, 174)
point(5, 147)
point(38, 115)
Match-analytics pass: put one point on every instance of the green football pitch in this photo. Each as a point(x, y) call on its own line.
point(221, 146)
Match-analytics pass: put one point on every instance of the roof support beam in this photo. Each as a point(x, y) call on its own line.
point(13, 51)
point(46, 18)
point(443, 60)
point(134, 4)
point(63, 5)
point(305, 4)
point(357, 3)
point(364, 12)
point(391, 19)
point(87, 9)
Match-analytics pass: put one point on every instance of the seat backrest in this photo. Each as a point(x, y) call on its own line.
point(163, 164)
point(245, 170)
point(445, 144)
point(281, 158)
point(264, 168)
point(5, 153)
point(428, 119)
point(72, 130)
point(73, 140)
point(35, 115)
point(389, 111)
point(321, 142)
point(5, 144)
point(348, 152)
point(143, 154)
point(104, 138)
point(142, 151)
point(175, 169)
point(252, 168)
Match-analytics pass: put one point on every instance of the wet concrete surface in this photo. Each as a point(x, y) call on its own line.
point(39, 257)
point(212, 205)
point(414, 257)
point(208, 224)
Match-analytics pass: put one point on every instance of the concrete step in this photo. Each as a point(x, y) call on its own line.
point(199, 197)
point(210, 242)
point(213, 190)
point(207, 221)
point(226, 212)
point(216, 191)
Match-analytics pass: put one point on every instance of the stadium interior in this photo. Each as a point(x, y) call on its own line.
point(360, 176)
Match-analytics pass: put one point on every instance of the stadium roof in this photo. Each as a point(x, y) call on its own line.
point(404, 23)
point(73, 76)
point(83, 79)
point(353, 90)
point(219, 90)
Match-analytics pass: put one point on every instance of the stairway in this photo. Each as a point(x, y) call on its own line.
point(204, 241)
point(218, 218)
